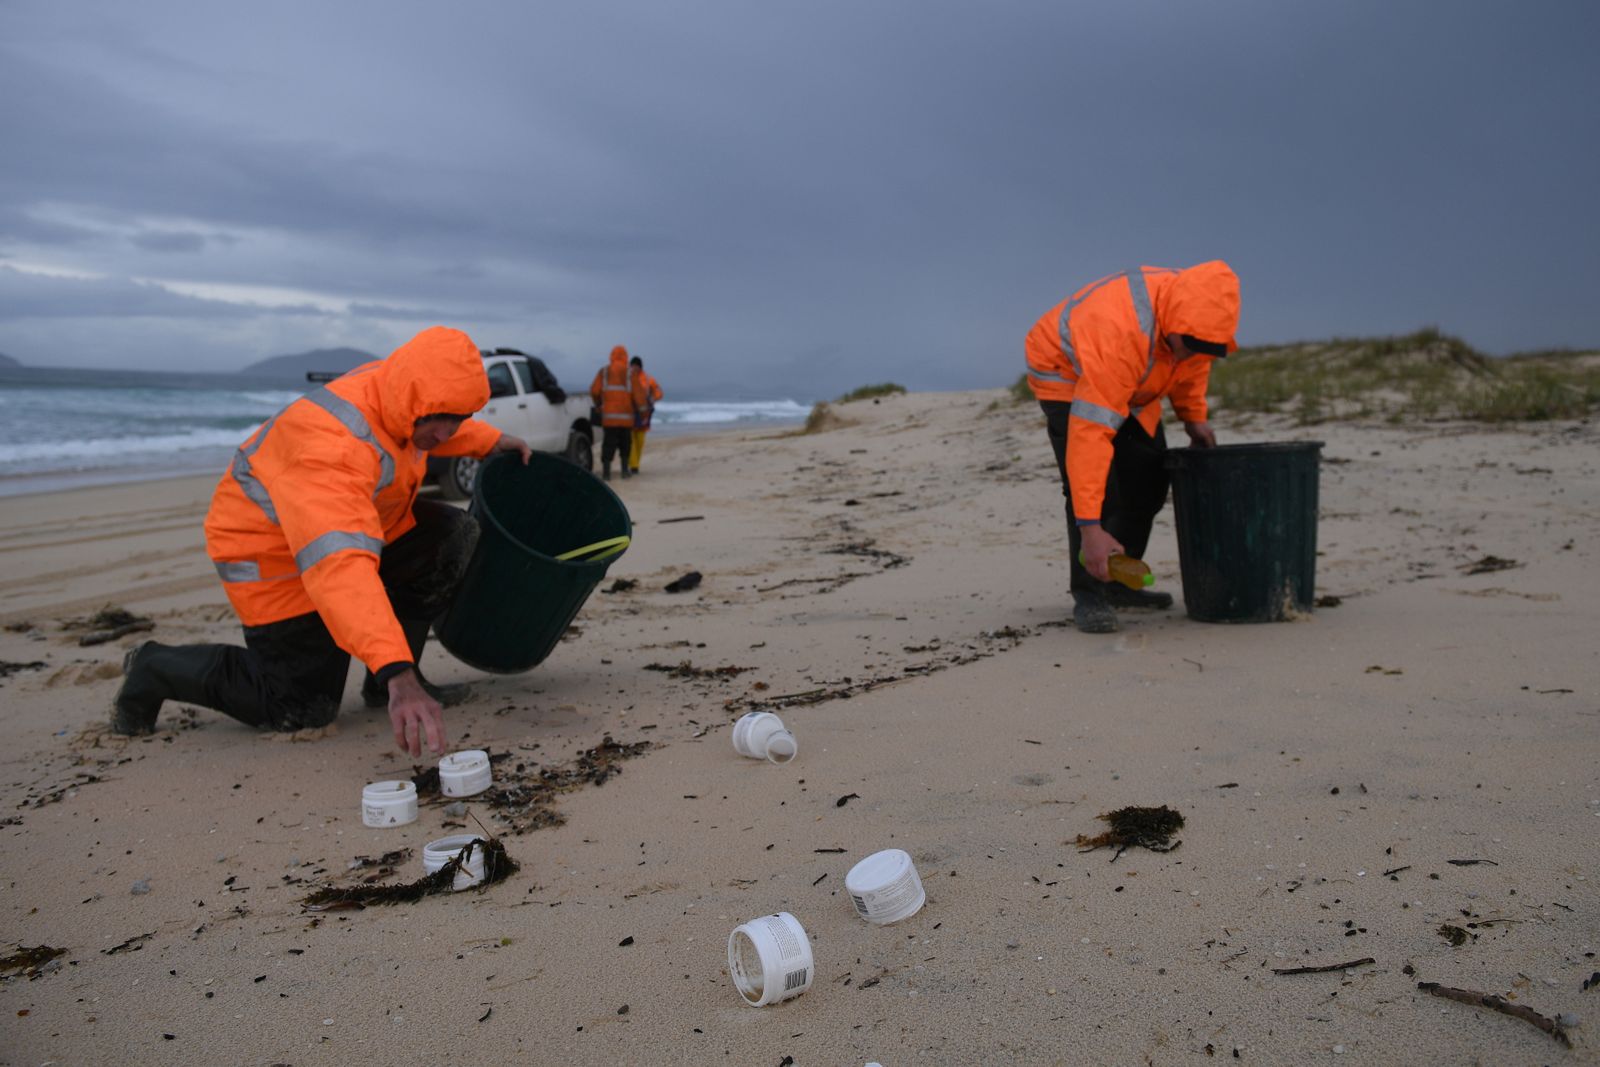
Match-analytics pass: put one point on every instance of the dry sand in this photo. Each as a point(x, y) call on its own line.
point(1434, 716)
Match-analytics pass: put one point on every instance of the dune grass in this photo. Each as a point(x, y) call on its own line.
point(868, 392)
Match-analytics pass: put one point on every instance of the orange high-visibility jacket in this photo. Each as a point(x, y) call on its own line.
point(617, 391)
point(298, 522)
point(1105, 351)
point(652, 393)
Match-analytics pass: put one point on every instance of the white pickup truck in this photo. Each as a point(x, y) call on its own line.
point(525, 401)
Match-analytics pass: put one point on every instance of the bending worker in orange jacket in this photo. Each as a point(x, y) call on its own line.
point(641, 422)
point(1099, 364)
point(619, 395)
point(325, 551)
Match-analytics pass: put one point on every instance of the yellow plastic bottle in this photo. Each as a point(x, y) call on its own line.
point(1133, 573)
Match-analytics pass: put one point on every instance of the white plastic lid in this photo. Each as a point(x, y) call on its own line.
point(885, 887)
point(463, 774)
point(391, 803)
point(770, 959)
point(435, 854)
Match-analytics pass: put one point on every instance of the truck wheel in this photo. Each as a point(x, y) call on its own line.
point(459, 477)
point(580, 450)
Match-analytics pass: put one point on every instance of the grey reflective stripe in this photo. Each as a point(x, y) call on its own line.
point(1082, 409)
point(248, 482)
point(1044, 375)
point(350, 415)
point(334, 541)
point(1139, 289)
point(1064, 328)
point(616, 389)
point(239, 572)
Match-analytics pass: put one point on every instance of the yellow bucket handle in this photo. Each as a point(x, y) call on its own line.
point(611, 546)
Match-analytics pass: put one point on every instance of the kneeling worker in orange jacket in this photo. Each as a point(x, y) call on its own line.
point(325, 551)
point(1100, 364)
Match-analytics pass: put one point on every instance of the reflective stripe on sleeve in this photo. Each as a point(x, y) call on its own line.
point(1083, 409)
point(332, 542)
point(248, 482)
point(246, 571)
point(350, 415)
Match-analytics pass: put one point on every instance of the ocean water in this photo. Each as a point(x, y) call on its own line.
point(75, 427)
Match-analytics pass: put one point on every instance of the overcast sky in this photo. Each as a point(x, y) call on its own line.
point(782, 197)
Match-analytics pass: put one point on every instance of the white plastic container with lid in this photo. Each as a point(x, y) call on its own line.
point(770, 959)
point(465, 774)
point(885, 887)
point(389, 804)
point(761, 735)
point(435, 854)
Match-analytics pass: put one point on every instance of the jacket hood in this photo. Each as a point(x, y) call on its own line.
point(437, 372)
point(619, 356)
point(1202, 301)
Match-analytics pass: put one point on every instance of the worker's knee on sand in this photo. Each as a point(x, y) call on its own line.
point(303, 713)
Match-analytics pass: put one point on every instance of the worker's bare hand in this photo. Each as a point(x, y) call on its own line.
point(414, 714)
point(509, 443)
point(1098, 546)
point(1200, 434)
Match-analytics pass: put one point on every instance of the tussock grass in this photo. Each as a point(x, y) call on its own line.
point(867, 392)
point(1426, 375)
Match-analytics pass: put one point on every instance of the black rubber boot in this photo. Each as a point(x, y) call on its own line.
point(376, 695)
point(1092, 615)
point(153, 673)
point(1121, 596)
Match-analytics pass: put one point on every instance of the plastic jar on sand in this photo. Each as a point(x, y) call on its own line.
point(435, 854)
point(885, 887)
point(761, 735)
point(465, 774)
point(770, 959)
point(389, 804)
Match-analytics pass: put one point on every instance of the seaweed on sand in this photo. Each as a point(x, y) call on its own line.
point(497, 867)
point(1150, 828)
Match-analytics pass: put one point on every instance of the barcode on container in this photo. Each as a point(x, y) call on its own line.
point(795, 979)
point(861, 905)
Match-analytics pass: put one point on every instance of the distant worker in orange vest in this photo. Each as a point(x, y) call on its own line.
point(619, 395)
point(1099, 364)
point(641, 422)
point(325, 551)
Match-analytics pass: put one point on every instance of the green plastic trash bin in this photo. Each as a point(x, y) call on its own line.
point(548, 533)
point(1247, 529)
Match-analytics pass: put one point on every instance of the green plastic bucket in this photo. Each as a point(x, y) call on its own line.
point(1247, 529)
point(549, 531)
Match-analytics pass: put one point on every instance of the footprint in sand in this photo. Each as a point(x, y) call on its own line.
point(83, 674)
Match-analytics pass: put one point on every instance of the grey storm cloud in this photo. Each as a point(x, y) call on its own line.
point(793, 196)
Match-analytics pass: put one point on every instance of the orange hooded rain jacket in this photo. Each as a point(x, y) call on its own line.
point(652, 393)
point(299, 520)
point(617, 391)
point(1105, 351)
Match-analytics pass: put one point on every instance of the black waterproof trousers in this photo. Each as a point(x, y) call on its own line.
point(291, 675)
point(614, 440)
point(1136, 489)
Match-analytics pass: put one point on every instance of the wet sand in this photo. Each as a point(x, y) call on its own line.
point(1423, 754)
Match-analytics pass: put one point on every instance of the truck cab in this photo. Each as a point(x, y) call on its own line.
point(525, 401)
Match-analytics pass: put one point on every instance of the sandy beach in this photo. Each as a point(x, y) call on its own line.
point(1424, 754)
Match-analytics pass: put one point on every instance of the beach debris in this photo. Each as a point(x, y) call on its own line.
point(388, 859)
point(497, 867)
point(1378, 668)
point(1592, 982)
point(686, 669)
point(1150, 828)
point(685, 583)
point(7, 668)
point(141, 887)
point(1454, 934)
point(762, 735)
point(1363, 961)
point(770, 959)
point(389, 803)
point(867, 550)
point(1328, 600)
point(1470, 863)
point(885, 887)
point(1488, 565)
point(847, 798)
point(30, 960)
point(622, 585)
point(1499, 1004)
point(523, 797)
point(133, 944)
point(680, 518)
point(108, 624)
point(466, 773)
